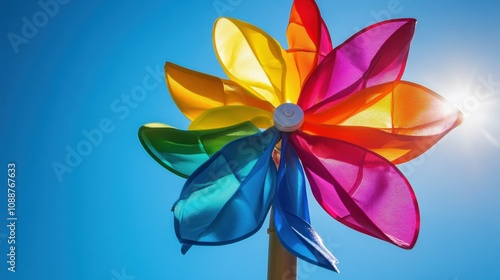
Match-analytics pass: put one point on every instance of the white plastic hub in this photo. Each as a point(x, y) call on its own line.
point(288, 117)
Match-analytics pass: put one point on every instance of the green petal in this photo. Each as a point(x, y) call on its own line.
point(182, 151)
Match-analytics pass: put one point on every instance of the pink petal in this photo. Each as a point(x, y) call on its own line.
point(360, 189)
point(375, 55)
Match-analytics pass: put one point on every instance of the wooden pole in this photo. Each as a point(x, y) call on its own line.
point(281, 264)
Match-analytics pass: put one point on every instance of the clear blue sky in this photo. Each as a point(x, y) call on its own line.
point(108, 216)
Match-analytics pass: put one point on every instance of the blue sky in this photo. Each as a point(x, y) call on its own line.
point(69, 75)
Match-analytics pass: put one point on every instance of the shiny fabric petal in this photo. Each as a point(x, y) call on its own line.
point(291, 213)
point(360, 189)
point(398, 120)
point(308, 37)
point(182, 152)
point(228, 197)
point(373, 56)
point(196, 92)
point(230, 115)
point(256, 61)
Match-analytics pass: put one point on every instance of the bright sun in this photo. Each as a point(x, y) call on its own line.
point(478, 103)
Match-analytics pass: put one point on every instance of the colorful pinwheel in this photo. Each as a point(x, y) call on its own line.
point(340, 114)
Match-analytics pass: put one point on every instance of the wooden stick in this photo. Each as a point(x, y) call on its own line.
point(281, 264)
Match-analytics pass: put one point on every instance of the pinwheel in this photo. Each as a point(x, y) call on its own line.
point(339, 118)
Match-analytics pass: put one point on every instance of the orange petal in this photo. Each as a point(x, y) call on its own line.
point(398, 120)
point(196, 92)
point(308, 37)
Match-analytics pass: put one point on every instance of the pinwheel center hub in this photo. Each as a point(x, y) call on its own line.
point(288, 117)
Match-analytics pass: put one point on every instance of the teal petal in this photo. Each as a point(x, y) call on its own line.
point(227, 198)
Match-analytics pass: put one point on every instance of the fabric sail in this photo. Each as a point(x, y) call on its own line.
point(360, 189)
point(234, 187)
point(183, 151)
point(291, 212)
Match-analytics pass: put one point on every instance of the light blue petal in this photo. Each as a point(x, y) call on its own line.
point(291, 213)
point(227, 198)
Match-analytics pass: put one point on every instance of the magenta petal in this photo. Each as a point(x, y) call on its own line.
point(373, 56)
point(360, 189)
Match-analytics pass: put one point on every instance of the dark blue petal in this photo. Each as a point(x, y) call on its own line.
point(291, 213)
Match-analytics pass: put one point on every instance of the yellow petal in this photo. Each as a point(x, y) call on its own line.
point(256, 61)
point(196, 92)
point(232, 115)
